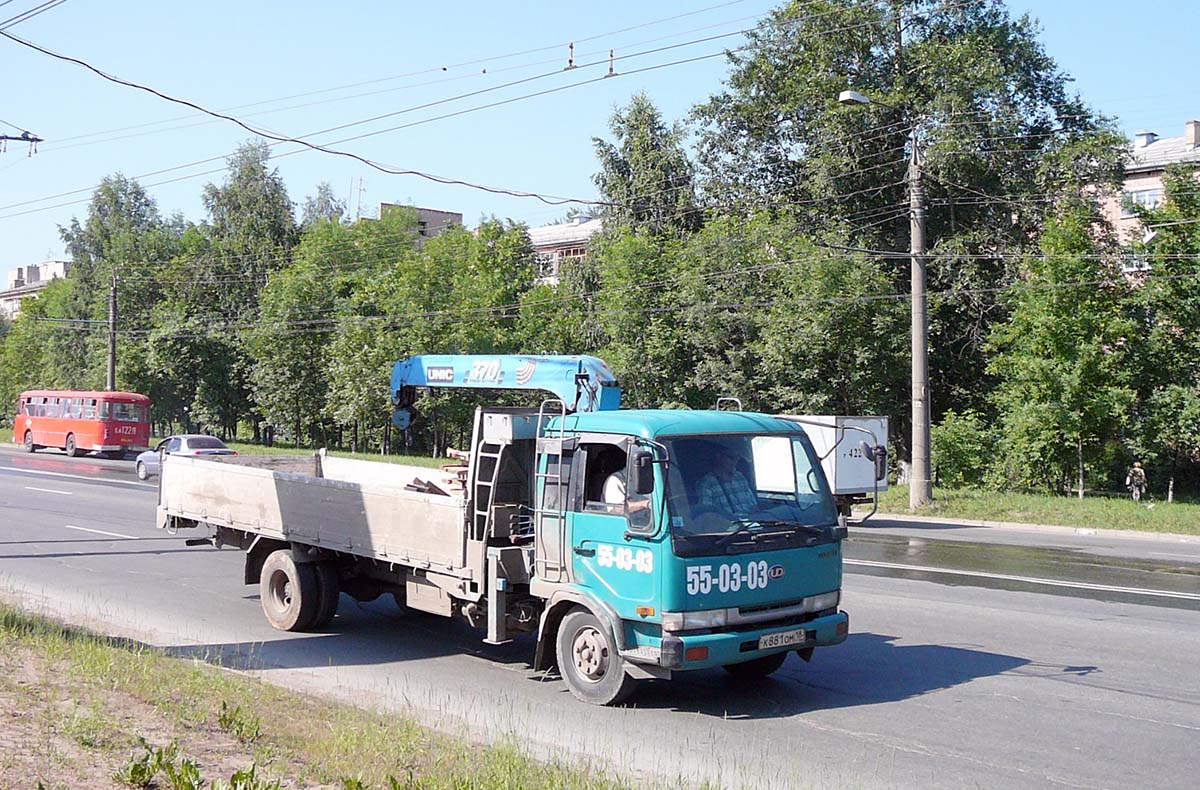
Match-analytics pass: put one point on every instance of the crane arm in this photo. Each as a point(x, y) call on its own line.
point(583, 383)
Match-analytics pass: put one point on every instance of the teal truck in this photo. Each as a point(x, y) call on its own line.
point(629, 544)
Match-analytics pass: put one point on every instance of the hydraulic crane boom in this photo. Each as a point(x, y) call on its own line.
point(583, 383)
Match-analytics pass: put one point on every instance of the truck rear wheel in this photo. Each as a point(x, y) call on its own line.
point(328, 593)
point(589, 662)
point(289, 592)
point(756, 668)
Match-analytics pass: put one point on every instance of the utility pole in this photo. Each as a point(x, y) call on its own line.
point(23, 137)
point(920, 483)
point(112, 333)
point(920, 477)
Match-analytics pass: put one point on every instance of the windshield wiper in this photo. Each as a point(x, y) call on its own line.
point(811, 529)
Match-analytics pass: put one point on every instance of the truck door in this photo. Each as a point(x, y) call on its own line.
point(619, 571)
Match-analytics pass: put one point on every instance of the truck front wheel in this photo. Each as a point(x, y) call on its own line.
point(589, 662)
point(756, 668)
point(289, 592)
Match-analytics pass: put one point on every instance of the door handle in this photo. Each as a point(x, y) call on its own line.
point(582, 552)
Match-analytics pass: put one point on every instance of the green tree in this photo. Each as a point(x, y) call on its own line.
point(290, 343)
point(645, 175)
point(1064, 383)
point(962, 447)
point(324, 206)
point(1167, 358)
point(1003, 138)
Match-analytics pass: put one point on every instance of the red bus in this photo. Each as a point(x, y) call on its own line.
point(77, 421)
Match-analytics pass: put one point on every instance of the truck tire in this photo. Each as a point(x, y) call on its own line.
point(589, 662)
point(71, 448)
point(756, 668)
point(288, 592)
point(328, 593)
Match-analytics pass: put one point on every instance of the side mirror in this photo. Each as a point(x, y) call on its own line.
point(878, 454)
point(643, 473)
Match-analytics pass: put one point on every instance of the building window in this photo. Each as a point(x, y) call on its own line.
point(1140, 198)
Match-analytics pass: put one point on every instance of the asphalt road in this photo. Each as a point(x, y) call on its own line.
point(972, 662)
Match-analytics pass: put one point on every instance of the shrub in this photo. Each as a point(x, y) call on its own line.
point(961, 449)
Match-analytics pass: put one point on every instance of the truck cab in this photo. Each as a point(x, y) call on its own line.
point(668, 541)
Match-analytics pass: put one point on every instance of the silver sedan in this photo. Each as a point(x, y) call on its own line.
point(149, 462)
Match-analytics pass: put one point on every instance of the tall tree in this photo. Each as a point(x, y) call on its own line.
point(1064, 382)
point(645, 174)
point(999, 128)
point(324, 206)
point(1167, 357)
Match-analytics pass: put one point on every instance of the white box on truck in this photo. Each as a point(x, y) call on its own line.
point(849, 471)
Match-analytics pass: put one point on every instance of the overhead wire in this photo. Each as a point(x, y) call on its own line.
point(38, 10)
point(555, 200)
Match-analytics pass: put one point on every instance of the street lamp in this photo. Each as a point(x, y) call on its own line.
point(920, 484)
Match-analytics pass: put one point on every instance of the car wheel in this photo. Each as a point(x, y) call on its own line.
point(589, 662)
point(71, 449)
point(288, 592)
point(141, 471)
point(756, 668)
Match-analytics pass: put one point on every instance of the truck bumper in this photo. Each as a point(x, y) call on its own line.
point(702, 651)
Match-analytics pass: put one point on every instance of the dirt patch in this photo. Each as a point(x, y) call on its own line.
point(64, 730)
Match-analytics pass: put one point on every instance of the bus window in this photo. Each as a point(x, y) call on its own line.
point(52, 407)
point(104, 409)
point(127, 412)
point(75, 408)
point(89, 409)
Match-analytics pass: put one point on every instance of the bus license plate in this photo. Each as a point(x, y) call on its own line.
point(782, 639)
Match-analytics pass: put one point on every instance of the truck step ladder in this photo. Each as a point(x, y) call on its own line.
point(550, 488)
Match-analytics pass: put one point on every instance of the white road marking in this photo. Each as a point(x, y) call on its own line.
point(50, 490)
point(1173, 554)
point(101, 532)
point(1028, 580)
point(18, 471)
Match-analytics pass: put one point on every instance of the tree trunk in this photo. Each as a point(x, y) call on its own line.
point(1080, 446)
point(1171, 481)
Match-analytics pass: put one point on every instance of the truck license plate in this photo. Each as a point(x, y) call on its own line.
point(782, 639)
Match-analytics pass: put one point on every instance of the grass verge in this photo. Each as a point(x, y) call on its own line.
point(80, 710)
point(1181, 518)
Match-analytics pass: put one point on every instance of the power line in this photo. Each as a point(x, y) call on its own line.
point(89, 137)
point(30, 14)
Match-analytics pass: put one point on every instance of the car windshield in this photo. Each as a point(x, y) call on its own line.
point(205, 443)
point(738, 493)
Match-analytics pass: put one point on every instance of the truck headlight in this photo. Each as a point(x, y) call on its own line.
point(689, 621)
point(819, 603)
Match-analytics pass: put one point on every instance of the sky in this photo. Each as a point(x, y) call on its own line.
point(300, 67)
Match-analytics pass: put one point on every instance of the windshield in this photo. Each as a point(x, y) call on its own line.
point(737, 493)
point(205, 443)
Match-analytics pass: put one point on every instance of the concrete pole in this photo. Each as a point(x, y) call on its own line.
point(920, 486)
point(112, 334)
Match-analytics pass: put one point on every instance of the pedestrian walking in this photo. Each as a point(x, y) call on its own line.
point(1135, 481)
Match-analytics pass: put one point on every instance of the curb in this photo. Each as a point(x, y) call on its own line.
point(899, 520)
